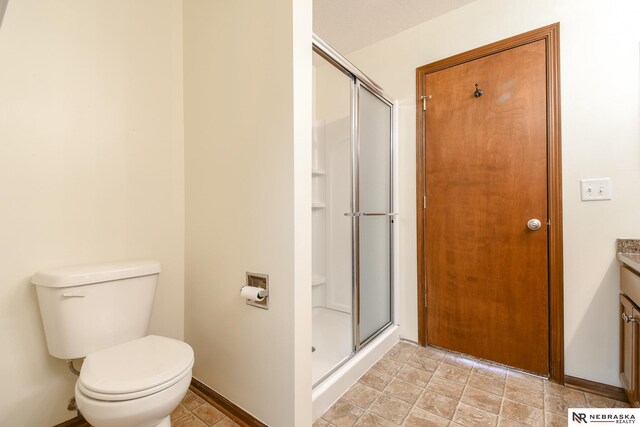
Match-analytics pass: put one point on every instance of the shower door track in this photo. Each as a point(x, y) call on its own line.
point(359, 79)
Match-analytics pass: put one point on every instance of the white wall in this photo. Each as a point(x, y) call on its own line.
point(600, 43)
point(91, 170)
point(248, 178)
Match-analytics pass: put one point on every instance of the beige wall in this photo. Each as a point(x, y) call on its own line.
point(247, 74)
point(599, 65)
point(91, 169)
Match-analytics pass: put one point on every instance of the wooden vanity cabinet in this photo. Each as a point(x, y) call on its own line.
point(629, 348)
point(629, 330)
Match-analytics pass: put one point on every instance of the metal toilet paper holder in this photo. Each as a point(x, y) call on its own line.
point(259, 281)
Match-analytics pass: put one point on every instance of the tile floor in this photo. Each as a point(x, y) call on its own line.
point(194, 411)
point(415, 386)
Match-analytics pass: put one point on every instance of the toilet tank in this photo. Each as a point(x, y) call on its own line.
point(91, 307)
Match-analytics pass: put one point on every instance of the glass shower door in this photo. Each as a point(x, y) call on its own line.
point(352, 211)
point(332, 280)
point(375, 217)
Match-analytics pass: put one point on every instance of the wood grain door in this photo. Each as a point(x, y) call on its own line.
point(485, 178)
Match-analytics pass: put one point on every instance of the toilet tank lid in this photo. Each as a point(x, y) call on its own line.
point(94, 273)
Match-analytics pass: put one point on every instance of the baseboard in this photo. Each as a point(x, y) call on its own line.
point(224, 405)
point(612, 392)
point(237, 414)
point(78, 421)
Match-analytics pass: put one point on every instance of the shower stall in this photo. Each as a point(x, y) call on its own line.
point(353, 221)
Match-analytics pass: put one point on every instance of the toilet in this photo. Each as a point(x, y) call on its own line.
point(101, 313)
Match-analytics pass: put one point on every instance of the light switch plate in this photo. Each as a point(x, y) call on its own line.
point(595, 189)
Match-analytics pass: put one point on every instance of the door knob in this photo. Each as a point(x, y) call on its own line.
point(628, 319)
point(534, 224)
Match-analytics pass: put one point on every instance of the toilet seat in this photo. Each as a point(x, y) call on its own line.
point(135, 369)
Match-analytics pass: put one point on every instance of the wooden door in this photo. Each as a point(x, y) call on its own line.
point(486, 177)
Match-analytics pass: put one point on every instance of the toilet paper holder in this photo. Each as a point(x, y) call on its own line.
point(261, 281)
point(262, 293)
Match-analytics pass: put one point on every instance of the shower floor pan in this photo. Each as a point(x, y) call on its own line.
point(331, 338)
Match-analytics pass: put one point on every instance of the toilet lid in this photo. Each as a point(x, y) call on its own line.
point(135, 369)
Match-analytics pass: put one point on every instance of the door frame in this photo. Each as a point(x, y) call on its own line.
point(550, 34)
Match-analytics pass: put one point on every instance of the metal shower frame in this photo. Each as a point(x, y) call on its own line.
point(360, 81)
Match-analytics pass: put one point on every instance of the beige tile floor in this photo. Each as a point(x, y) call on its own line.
point(194, 411)
point(416, 386)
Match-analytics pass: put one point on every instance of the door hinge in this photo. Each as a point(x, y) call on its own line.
point(424, 99)
point(424, 202)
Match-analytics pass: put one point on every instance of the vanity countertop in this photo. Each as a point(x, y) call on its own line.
point(630, 260)
point(628, 252)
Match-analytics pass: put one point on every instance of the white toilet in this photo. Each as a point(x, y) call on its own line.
point(101, 312)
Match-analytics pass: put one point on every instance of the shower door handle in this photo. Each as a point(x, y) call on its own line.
point(378, 214)
point(370, 214)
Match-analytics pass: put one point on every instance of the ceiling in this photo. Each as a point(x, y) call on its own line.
point(348, 25)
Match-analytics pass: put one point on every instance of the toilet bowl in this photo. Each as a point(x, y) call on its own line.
point(135, 384)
